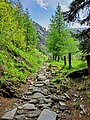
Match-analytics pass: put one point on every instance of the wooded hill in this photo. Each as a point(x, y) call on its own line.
point(18, 54)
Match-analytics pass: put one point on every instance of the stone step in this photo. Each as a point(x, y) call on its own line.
point(47, 114)
point(9, 115)
point(41, 101)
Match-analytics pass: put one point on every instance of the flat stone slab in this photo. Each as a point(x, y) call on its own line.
point(28, 106)
point(47, 114)
point(33, 114)
point(38, 95)
point(26, 98)
point(62, 98)
point(28, 93)
point(41, 77)
point(44, 91)
point(33, 101)
point(47, 82)
point(62, 104)
point(20, 117)
point(30, 87)
point(9, 115)
point(36, 89)
point(45, 106)
point(62, 108)
point(39, 85)
point(67, 96)
point(47, 100)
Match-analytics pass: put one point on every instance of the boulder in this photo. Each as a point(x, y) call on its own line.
point(78, 73)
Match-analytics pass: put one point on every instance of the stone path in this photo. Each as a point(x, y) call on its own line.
point(42, 101)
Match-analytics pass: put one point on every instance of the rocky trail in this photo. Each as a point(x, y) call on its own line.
point(43, 101)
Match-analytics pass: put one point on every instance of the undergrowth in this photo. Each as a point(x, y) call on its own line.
point(76, 65)
point(16, 64)
point(63, 70)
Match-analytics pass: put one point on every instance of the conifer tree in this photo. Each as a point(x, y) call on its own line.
point(57, 35)
point(59, 40)
point(30, 31)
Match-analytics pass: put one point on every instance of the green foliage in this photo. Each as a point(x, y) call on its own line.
point(30, 31)
point(71, 46)
point(74, 14)
point(63, 70)
point(60, 41)
point(76, 65)
point(57, 79)
point(88, 96)
point(82, 87)
point(84, 42)
point(18, 68)
point(18, 39)
point(56, 30)
point(76, 104)
point(16, 27)
point(9, 27)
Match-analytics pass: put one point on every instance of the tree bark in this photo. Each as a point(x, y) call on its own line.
point(53, 56)
point(69, 57)
point(65, 60)
point(58, 58)
point(88, 63)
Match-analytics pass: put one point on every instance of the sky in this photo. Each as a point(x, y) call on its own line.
point(42, 10)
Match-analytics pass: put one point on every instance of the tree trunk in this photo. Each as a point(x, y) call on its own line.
point(58, 58)
point(53, 57)
point(69, 57)
point(88, 63)
point(65, 60)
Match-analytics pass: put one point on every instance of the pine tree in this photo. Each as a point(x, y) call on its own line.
point(30, 31)
point(57, 34)
point(59, 41)
point(54, 34)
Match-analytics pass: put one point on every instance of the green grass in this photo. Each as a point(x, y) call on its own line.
point(18, 64)
point(76, 65)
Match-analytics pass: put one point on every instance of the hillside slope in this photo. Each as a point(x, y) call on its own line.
point(17, 64)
